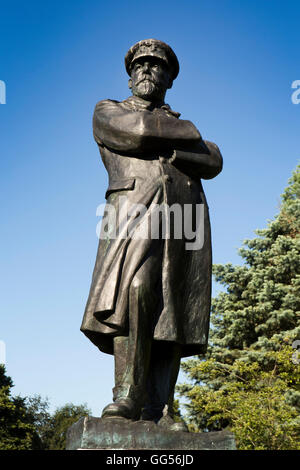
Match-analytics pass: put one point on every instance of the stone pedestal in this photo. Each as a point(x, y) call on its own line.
point(121, 434)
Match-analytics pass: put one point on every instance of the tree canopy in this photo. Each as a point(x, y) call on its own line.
point(27, 424)
point(249, 380)
point(17, 432)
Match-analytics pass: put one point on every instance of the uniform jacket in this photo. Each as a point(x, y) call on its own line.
point(152, 157)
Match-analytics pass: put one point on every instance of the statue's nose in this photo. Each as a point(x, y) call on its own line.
point(146, 66)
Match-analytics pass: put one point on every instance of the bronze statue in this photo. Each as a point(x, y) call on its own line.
point(149, 301)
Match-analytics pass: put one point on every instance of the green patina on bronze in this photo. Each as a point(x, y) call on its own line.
point(119, 433)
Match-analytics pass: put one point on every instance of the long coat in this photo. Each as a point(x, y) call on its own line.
point(139, 169)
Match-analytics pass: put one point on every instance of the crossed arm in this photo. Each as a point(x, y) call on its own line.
point(133, 132)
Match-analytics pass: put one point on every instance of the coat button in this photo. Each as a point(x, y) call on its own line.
point(168, 178)
point(189, 183)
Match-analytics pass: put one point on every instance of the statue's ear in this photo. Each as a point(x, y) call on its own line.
point(130, 83)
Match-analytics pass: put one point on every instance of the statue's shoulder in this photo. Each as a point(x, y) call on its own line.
point(129, 104)
point(106, 105)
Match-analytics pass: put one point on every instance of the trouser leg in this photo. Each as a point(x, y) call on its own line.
point(163, 373)
point(132, 353)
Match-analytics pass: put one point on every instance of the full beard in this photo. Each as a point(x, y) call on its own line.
point(145, 89)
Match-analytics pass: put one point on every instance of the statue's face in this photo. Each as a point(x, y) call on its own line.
point(150, 78)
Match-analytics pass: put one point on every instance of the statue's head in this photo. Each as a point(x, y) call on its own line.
point(152, 66)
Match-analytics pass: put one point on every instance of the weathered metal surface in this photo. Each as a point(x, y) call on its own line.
point(121, 434)
point(149, 301)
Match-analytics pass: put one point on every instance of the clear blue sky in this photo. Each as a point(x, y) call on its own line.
point(238, 60)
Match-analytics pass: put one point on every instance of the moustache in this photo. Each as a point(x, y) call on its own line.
point(145, 79)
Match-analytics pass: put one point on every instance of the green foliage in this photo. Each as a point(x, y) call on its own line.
point(37, 408)
point(252, 402)
point(26, 424)
point(54, 436)
point(16, 429)
point(177, 417)
point(249, 381)
point(52, 429)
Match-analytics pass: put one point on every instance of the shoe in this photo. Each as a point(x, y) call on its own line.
point(122, 408)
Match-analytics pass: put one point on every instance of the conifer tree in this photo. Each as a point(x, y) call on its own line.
point(249, 372)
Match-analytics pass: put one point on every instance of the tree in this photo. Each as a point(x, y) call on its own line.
point(52, 429)
point(26, 424)
point(55, 430)
point(17, 431)
point(248, 381)
point(38, 410)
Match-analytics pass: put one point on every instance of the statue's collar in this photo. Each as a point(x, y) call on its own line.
point(140, 103)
